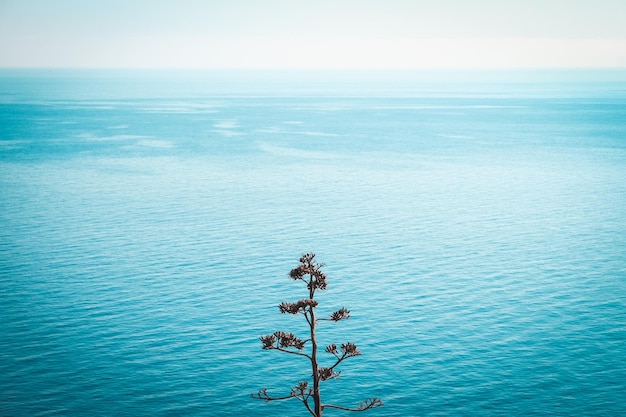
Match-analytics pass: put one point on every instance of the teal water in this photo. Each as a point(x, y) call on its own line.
point(476, 231)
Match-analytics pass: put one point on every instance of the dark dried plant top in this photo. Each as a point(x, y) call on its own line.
point(308, 266)
point(309, 272)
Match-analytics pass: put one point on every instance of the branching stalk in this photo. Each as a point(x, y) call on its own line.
point(309, 272)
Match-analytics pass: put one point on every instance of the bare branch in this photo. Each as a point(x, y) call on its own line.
point(347, 350)
point(302, 390)
point(365, 405)
point(292, 352)
point(262, 395)
point(303, 393)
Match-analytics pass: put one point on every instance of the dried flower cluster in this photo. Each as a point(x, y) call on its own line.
point(327, 373)
point(341, 314)
point(347, 350)
point(309, 272)
point(297, 307)
point(308, 266)
point(282, 340)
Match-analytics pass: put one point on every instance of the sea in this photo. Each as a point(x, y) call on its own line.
point(474, 224)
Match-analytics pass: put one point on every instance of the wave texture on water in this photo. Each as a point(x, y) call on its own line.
point(478, 240)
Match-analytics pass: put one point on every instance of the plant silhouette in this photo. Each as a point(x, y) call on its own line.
point(309, 272)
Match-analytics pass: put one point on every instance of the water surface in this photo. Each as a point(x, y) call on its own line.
point(476, 231)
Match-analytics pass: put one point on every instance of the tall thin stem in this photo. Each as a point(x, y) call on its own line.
point(317, 400)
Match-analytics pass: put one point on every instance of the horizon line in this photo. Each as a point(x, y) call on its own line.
point(345, 75)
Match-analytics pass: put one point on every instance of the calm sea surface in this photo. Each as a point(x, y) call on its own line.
point(477, 232)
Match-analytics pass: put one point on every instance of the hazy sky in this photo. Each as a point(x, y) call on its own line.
point(313, 33)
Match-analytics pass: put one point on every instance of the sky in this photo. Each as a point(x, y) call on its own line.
point(313, 34)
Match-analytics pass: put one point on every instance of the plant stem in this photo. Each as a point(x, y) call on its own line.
point(317, 400)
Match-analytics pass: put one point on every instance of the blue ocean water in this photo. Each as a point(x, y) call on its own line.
point(476, 231)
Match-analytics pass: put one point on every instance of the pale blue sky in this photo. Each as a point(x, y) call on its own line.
point(313, 34)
